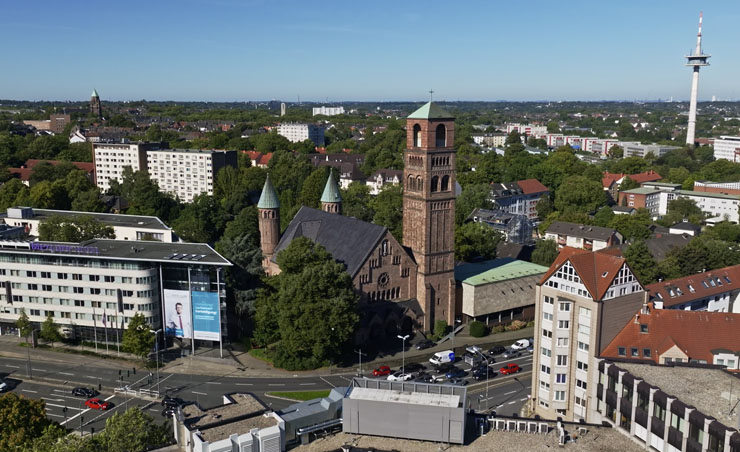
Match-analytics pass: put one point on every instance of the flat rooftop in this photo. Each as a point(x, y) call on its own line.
point(496, 270)
point(188, 151)
point(149, 251)
point(706, 389)
point(246, 411)
point(111, 219)
point(413, 398)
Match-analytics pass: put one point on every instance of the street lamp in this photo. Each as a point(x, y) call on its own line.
point(360, 355)
point(156, 353)
point(454, 325)
point(403, 351)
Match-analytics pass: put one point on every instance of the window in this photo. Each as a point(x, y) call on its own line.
point(127, 280)
point(582, 346)
point(548, 300)
point(95, 291)
point(559, 396)
point(46, 287)
point(621, 351)
point(109, 278)
point(62, 276)
point(562, 342)
point(546, 352)
point(544, 404)
point(544, 385)
point(563, 324)
point(643, 328)
point(580, 383)
point(94, 278)
point(562, 360)
point(80, 303)
point(564, 307)
point(546, 333)
point(35, 312)
point(646, 352)
point(31, 274)
point(634, 353)
point(46, 274)
point(79, 290)
point(76, 277)
point(33, 287)
point(560, 378)
point(547, 316)
point(585, 329)
point(582, 366)
point(545, 369)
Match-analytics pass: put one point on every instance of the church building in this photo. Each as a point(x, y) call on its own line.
point(403, 286)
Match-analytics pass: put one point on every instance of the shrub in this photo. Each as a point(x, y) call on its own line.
point(530, 324)
point(499, 329)
point(440, 329)
point(516, 325)
point(477, 329)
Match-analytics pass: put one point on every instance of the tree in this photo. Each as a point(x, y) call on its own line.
point(544, 207)
point(641, 262)
point(23, 420)
point(475, 240)
point(313, 187)
point(138, 338)
point(628, 184)
point(60, 228)
point(313, 304)
point(633, 226)
point(388, 207)
point(50, 330)
point(201, 221)
point(24, 324)
point(244, 277)
point(545, 252)
point(604, 216)
point(579, 194)
point(616, 152)
point(473, 196)
point(681, 209)
point(356, 202)
point(133, 430)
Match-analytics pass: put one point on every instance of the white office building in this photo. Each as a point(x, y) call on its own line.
point(295, 133)
point(727, 148)
point(111, 158)
point(187, 173)
point(717, 206)
point(328, 111)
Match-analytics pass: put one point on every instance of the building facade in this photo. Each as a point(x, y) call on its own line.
point(295, 133)
point(582, 236)
point(111, 158)
point(727, 148)
point(186, 173)
point(642, 150)
point(519, 197)
point(328, 111)
point(727, 188)
point(383, 178)
point(713, 291)
point(96, 109)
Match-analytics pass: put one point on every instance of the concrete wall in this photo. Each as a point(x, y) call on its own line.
point(498, 296)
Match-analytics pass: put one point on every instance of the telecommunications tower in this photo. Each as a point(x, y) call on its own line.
point(695, 60)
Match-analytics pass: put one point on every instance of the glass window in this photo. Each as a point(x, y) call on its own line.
point(559, 378)
point(621, 351)
point(562, 360)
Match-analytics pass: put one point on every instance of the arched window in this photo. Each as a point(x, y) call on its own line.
point(384, 248)
point(435, 182)
point(410, 183)
point(445, 183)
point(419, 184)
point(417, 135)
point(441, 136)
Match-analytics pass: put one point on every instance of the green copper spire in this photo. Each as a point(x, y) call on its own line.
point(94, 93)
point(430, 110)
point(331, 191)
point(268, 198)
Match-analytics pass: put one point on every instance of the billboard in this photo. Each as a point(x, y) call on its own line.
point(206, 321)
point(177, 313)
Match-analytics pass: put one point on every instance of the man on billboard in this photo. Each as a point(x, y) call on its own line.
point(178, 316)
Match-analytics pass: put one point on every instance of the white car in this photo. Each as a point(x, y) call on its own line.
point(399, 376)
point(3, 386)
point(521, 344)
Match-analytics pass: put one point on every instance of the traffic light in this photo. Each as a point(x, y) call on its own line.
point(134, 370)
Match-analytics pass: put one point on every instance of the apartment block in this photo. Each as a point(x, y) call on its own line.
point(186, 173)
point(714, 291)
point(295, 133)
point(111, 158)
point(727, 148)
point(582, 236)
point(519, 197)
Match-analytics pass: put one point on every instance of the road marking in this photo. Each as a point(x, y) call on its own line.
point(52, 400)
point(28, 390)
point(154, 409)
point(213, 382)
point(327, 382)
point(244, 384)
point(346, 378)
point(522, 400)
point(511, 403)
point(14, 367)
point(306, 384)
point(510, 392)
point(90, 376)
point(85, 411)
point(66, 373)
point(199, 393)
point(59, 390)
point(63, 406)
point(55, 415)
point(276, 384)
point(38, 370)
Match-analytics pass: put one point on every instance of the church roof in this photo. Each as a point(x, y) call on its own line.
point(349, 240)
point(268, 198)
point(331, 191)
point(94, 93)
point(430, 110)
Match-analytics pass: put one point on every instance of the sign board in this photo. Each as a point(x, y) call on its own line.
point(206, 321)
point(177, 313)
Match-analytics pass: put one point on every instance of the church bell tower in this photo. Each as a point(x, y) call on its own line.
point(429, 209)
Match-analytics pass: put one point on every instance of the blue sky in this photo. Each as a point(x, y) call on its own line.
point(237, 50)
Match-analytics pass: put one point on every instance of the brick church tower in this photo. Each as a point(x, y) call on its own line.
point(429, 209)
point(95, 107)
point(269, 223)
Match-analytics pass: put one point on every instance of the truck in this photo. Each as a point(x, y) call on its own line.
point(446, 356)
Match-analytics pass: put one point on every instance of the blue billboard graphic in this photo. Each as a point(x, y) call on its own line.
point(206, 322)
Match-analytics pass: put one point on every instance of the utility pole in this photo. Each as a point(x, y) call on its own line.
point(156, 353)
point(360, 355)
point(403, 351)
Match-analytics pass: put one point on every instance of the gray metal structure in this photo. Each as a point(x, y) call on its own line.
point(420, 411)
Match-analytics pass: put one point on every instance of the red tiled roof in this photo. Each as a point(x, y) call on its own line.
point(647, 176)
point(24, 173)
point(698, 334)
point(677, 291)
point(609, 178)
point(531, 186)
point(597, 269)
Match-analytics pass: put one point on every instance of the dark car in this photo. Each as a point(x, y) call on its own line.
point(455, 372)
point(83, 392)
point(172, 402)
point(413, 367)
point(444, 368)
point(480, 373)
point(458, 381)
point(511, 354)
point(426, 343)
point(169, 411)
point(496, 350)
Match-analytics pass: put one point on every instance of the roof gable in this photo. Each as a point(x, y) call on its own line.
point(597, 270)
point(696, 286)
point(532, 186)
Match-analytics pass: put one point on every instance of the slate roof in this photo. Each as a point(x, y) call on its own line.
point(430, 110)
point(581, 230)
point(706, 284)
point(349, 240)
point(597, 269)
point(686, 226)
point(684, 329)
point(660, 244)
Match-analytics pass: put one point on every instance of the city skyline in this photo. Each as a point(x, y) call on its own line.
point(255, 50)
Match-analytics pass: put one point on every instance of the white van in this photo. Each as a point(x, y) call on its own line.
point(446, 356)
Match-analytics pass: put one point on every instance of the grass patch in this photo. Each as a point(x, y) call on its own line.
point(74, 351)
point(300, 396)
point(262, 354)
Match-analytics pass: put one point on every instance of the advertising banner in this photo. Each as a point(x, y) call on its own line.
point(205, 316)
point(177, 313)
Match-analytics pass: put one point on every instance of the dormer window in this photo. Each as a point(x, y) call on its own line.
point(671, 293)
point(643, 328)
point(704, 283)
point(711, 281)
point(728, 280)
point(691, 288)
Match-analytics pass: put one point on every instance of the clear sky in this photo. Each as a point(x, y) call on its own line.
point(238, 50)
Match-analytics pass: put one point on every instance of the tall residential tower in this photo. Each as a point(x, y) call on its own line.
point(695, 60)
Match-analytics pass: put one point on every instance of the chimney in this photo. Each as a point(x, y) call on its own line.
point(637, 318)
point(645, 309)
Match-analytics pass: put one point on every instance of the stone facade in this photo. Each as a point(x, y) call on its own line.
point(269, 226)
point(388, 274)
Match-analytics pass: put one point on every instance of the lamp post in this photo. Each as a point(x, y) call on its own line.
point(454, 325)
point(360, 355)
point(156, 353)
point(403, 351)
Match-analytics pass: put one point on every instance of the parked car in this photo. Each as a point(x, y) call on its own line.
point(172, 402)
point(521, 344)
point(83, 392)
point(480, 373)
point(426, 343)
point(413, 367)
point(455, 372)
point(399, 376)
point(511, 353)
point(446, 356)
point(169, 411)
point(3, 386)
point(496, 350)
point(97, 404)
point(510, 368)
point(473, 358)
point(444, 368)
point(382, 370)
point(530, 350)
point(458, 381)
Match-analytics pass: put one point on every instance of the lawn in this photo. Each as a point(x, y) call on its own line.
point(300, 396)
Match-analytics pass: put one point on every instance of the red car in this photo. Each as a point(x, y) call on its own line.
point(97, 404)
point(510, 368)
point(382, 370)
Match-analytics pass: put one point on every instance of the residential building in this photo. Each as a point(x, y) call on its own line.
point(296, 133)
point(684, 227)
point(612, 181)
point(515, 228)
point(186, 173)
point(727, 188)
point(526, 129)
point(727, 148)
point(125, 227)
point(582, 236)
point(642, 150)
point(713, 291)
point(643, 197)
point(495, 140)
point(383, 178)
point(101, 284)
point(600, 146)
point(664, 336)
point(56, 123)
point(519, 197)
point(717, 206)
point(111, 158)
point(498, 290)
point(669, 408)
point(348, 172)
point(25, 172)
point(581, 303)
point(259, 159)
point(328, 111)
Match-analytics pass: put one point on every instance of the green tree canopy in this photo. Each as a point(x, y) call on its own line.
point(388, 208)
point(476, 240)
point(579, 194)
point(60, 228)
point(23, 419)
point(50, 330)
point(138, 338)
point(473, 196)
point(545, 252)
point(132, 430)
point(641, 262)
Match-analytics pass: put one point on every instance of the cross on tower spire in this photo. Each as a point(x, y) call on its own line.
point(431, 94)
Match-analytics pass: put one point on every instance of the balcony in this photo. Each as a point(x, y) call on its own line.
point(562, 240)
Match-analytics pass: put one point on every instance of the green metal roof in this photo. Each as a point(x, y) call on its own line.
point(268, 198)
point(430, 110)
point(642, 191)
point(94, 93)
point(331, 191)
point(705, 194)
point(496, 270)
